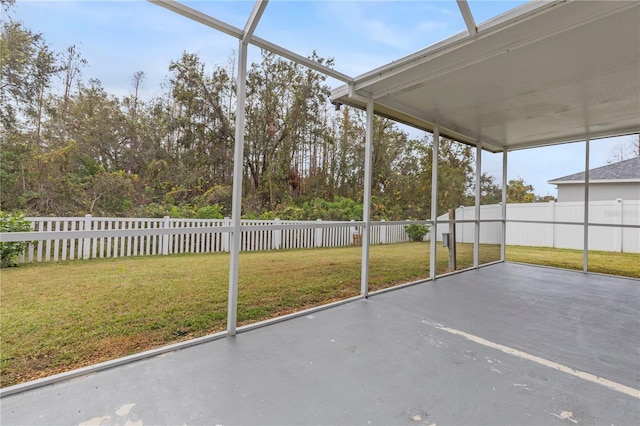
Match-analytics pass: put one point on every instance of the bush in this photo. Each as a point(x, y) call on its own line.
point(9, 252)
point(416, 231)
point(209, 212)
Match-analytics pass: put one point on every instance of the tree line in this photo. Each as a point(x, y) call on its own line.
point(68, 147)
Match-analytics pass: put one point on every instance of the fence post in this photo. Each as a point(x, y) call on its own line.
point(619, 207)
point(226, 235)
point(452, 243)
point(166, 238)
point(86, 243)
point(383, 233)
point(352, 234)
point(552, 214)
point(461, 214)
point(277, 236)
point(318, 239)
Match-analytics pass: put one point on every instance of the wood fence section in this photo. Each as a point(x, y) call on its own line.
point(69, 238)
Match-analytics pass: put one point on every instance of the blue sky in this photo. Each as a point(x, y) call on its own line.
point(119, 38)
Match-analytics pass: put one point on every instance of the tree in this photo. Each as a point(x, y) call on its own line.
point(200, 120)
point(75, 148)
point(27, 66)
point(107, 193)
point(455, 174)
point(625, 149)
point(54, 188)
point(490, 192)
point(519, 192)
point(6, 5)
point(285, 127)
point(97, 125)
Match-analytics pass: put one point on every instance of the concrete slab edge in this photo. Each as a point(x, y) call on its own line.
point(577, 271)
point(298, 314)
point(412, 283)
point(84, 371)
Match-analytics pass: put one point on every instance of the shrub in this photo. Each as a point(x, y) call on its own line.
point(209, 212)
point(417, 231)
point(9, 252)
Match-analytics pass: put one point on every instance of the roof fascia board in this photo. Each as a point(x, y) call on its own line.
point(254, 18)
point(413, 119)
point(216, 24)
point(518, 13)
point(468, 17)
point(428, 123)
point(592, 181)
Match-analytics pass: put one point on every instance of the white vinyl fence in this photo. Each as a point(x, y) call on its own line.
point(603, 215)
point(57, 239)
point(68, 238)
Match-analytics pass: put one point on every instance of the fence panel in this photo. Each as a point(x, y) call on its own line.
point(604, 238)
point(201, 236)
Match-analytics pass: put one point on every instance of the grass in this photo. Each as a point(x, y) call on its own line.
point(60, 316)
point(623, 264)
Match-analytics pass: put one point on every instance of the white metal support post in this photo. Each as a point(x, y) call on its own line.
point(476, 242)
point(585, 262)
point(366, 210)
point(503, 237)
point(434, 201)
point(238, 157)
point(236, 207)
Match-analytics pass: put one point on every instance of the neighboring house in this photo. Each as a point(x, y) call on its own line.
point(617, 180)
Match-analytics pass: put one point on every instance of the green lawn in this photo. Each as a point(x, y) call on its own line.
point(60, 316)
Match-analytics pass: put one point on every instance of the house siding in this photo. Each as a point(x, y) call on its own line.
point(599, 191)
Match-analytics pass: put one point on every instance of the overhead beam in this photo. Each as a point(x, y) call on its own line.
point(254, 18)
point(288, 54)
point(200, 17)
point(222, 26)
point(468, 17)
point(413, 118)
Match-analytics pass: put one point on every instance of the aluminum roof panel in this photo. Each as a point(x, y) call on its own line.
point(549, 73)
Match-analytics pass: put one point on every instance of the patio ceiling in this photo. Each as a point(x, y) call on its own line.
point(543, 73)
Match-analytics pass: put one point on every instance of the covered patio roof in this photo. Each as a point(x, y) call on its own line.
point(543, 73)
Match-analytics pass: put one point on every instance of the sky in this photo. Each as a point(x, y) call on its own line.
point(121, 37)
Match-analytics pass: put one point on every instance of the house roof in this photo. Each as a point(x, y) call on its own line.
point(627, 171)
point(544, 73)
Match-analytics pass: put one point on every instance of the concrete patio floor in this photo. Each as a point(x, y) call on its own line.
point(504, 344)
